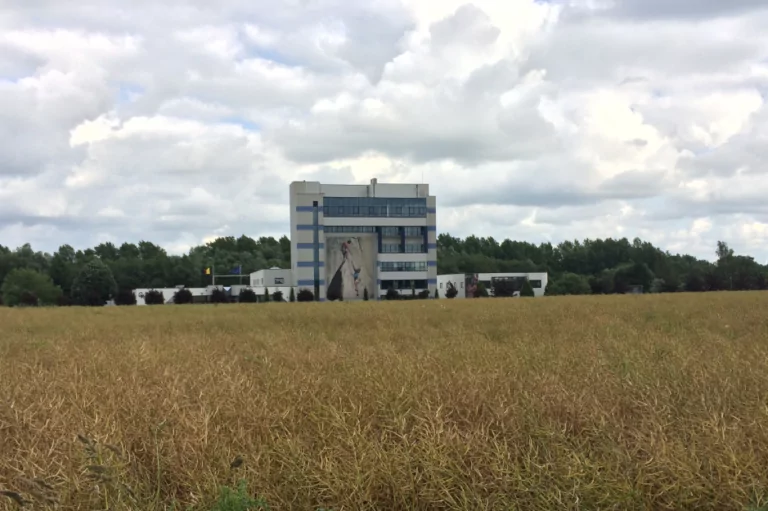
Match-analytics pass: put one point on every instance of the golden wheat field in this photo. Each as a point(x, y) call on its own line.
point(616, 402)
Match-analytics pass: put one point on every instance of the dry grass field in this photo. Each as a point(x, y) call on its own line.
point(621, 402)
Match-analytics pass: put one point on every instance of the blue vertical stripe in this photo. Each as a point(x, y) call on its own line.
point(309, 246)
point(431, 263)
point(308, 283)
point(305, 209)
point(431, 210)
point(432, 228)
point(310, 264)
point(316, 252)
point(431, 246)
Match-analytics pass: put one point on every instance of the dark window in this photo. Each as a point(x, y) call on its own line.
point(536, 284)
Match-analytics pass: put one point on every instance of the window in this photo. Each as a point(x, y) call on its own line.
point(374, 207)
point(404, 266)
point(535, 284)
point(279, 281)
point(390, 248)
point(414, 248)
point(414, 231)
point(390, 231)
point(366, 229)
point(403, 284)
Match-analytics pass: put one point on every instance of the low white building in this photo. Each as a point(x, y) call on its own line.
point(272, 279)
point(464, 282)
point(199, 294)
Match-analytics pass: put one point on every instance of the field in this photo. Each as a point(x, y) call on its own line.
point(621, 402)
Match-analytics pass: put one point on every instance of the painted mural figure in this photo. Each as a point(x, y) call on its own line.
point(348, 259)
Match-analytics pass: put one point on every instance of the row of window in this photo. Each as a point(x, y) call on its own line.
point(397, 231)
point(397, 248)
point(375, 211)
point(403, 284)
point(391, 232)
point(374, 207)
point(363, 229)
point(404, 266)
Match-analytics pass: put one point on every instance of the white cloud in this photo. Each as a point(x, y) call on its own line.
point(533, 120)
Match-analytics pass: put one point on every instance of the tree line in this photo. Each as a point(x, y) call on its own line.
point(600, 266)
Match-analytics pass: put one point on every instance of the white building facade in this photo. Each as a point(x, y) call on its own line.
point(348, 241)
point(464, 283)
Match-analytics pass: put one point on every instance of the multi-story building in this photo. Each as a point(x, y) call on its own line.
point(349, 240)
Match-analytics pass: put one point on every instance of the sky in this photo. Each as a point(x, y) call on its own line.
point(180, 121)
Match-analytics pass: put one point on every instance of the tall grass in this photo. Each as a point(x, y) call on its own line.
point(634, 402)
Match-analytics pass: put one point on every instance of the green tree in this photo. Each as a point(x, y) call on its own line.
point(292, 296)
point(182, 296)
point(392, 294)
point(365, 294)
point(266, 294)
point(125, 297)
point(527, 290)
point(24, 286)
point(481, 291)
point(248, 295)
point(305, 295)
point(218, 295)
point(277, 296)
point(154, 297)
point(94, 284)
point(568, 284)
point(437, 295)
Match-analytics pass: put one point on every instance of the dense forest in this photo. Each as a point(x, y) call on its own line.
point(574, 267)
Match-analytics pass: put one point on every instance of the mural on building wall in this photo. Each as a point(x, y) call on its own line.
point(350, 265)
point(470, 284)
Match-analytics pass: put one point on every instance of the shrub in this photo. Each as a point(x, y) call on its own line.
point(94, 285)
point(527, 290)
point(218, 295)
point(266, 294)
point(569, 284)
point(248, 295)
point(424, 295)
point(451, 292)
point(365, 294)
point(277, 296)
point(182, 296)
point(24, 286)
point(305, 295)
point(292, 296)
point(481, 291)
point(154, 297)
point(28, 299)
point(238, 499)
point(392, 294)
point(437, 295)
point(125, 297)
point(64, 301)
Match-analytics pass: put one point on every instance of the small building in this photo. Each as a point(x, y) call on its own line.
point(272, 279)
point(466, 283)
point(199, 294)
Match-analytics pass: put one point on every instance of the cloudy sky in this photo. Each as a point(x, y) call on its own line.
point(178, 121)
